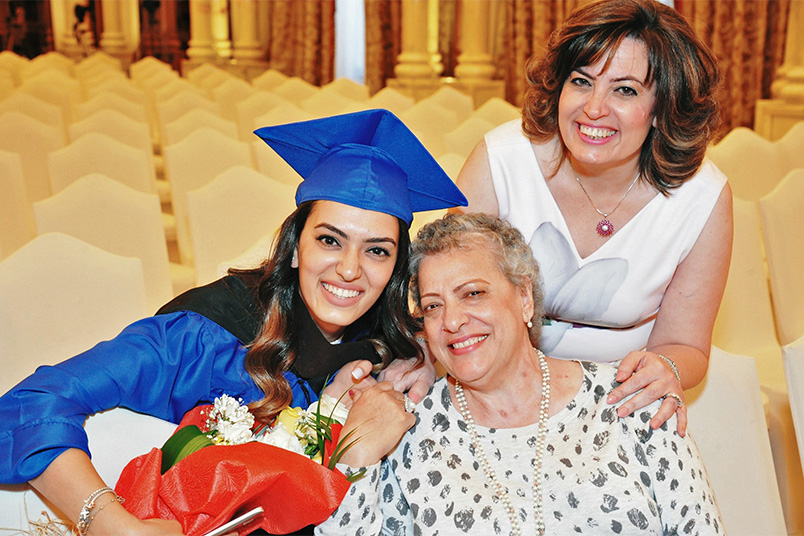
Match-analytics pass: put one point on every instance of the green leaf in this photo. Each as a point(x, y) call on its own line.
point(184, 442)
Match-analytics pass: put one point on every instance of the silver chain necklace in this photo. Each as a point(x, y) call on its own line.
point(604, 227)
point(480, 453)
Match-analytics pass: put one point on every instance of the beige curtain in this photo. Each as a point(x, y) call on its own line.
point(383, 41)
point(524, 30)
point(302, 41)
point(747, 36)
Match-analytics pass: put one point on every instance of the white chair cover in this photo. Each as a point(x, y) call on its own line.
point(116, 125)
point(497, 111)
point(16, 213)
point(100, 153)
point(296, 89)
point(727, 421)
point(348, 88)
point(253, 107)
point(791, 145)
point(752, 163)
point(32, 106)
point(465, 136)
point(148, 66)
point(783, 224)
point(230, 213)
point(58, 297)
point(192, 163)
point(33, 141)
point(430, 117)
point(454, 100)
point(392, 100)
point(109, 97)
point(56, 88)
point(269, 80)
point(180, 128)
point(116, 218)
point(745, 325)
point(327, 102)
point(229, 93)
point(794, 369)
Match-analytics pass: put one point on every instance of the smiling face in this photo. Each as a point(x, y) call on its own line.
point(474, 316)
point(604, 116)
point(345, 257)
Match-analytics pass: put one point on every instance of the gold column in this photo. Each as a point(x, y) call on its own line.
point(415, 72)
point(112, 40)
point(474, 62)
point(774, 117)
point(62, 14)
point(249, 53)
point(244, 29)
point(475, 67)
point(200, 45)
point(219, 19)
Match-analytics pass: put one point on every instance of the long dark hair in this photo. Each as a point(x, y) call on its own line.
point(683, 69)
point(275, 349)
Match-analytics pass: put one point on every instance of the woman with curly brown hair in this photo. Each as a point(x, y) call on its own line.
point(606, 178)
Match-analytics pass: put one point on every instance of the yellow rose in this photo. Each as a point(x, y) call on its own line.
point(288, 418)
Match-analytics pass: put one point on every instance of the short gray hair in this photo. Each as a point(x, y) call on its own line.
point(513, 255)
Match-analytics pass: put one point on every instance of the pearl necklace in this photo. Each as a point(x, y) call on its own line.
point(480, 453)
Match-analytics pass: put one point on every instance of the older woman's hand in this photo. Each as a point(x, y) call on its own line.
point(378, 421)
point(651, 378)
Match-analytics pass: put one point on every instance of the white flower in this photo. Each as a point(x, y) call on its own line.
point(229, 422)
point(329, 403)
point(280, 437)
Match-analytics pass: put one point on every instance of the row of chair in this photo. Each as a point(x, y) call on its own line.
point(755, 165)
point(37, 142)
point(751, 318)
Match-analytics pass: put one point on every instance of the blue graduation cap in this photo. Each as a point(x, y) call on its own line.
point(368, 159)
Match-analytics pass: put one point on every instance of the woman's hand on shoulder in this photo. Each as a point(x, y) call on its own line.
point(377, 421)
point(649, 378)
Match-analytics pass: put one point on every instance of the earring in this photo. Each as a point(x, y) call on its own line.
point(529, 324)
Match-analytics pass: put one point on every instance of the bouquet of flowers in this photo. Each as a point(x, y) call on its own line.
point(287, 467)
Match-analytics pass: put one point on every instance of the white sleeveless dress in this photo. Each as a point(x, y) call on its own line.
point(603, 306)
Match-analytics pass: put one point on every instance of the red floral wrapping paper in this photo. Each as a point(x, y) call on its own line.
point(216, 483)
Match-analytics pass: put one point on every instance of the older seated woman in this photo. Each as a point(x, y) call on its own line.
point(479, 458)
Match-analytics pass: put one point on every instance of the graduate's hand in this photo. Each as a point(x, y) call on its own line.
point(415, 381)
point(354, 376)
point(378, 420)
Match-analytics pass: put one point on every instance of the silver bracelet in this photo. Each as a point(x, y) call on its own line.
point(672, 365)
point(85, 517)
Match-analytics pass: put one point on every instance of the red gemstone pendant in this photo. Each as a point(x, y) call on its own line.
point(605, 228)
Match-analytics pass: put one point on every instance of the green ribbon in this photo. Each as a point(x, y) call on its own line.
point(181, 444)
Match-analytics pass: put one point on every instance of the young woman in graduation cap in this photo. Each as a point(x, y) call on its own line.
point(334, 291)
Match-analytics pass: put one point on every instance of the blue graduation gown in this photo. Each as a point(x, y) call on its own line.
point(162, 366)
